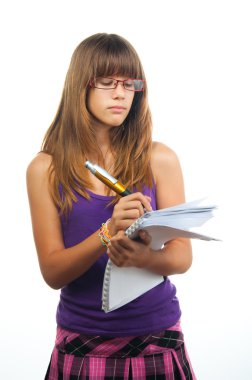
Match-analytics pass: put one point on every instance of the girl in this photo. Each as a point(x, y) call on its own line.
point(103, 116)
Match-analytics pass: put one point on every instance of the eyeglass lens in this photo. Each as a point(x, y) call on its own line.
point(110, 83)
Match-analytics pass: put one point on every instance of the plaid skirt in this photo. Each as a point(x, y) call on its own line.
point(155, 356)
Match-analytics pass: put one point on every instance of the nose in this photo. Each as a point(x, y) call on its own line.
point(119, 91)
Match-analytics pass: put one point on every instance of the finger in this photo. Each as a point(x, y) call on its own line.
point(132, 214)
point(128, 210)
point(130, 205)
point(143, 199)
point(145, 237)
point(115, 256)
point(145, 203)
point(120, 244)
point(148, 205)
point(114, 259)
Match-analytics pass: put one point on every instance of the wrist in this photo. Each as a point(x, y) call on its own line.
point(111, 227)
point(104, 234)
point(145, 260)
point(152, 259)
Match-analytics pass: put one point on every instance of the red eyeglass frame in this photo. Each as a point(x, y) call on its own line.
point(91, 84)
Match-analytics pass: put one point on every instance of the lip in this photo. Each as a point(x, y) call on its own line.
point(119, 108)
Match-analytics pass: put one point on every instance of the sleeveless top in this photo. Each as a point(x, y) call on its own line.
point(80, 305)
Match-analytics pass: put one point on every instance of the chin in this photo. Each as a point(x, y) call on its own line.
point(116, 123)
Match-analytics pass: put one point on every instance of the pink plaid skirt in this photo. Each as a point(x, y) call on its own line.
point(155, 356)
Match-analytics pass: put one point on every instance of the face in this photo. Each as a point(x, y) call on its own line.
point(110, 107)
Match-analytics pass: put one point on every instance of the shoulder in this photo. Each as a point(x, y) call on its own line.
point(163, 158)
point(39, 165)
point(161, 151)
point(38, 169)
point(167, 175)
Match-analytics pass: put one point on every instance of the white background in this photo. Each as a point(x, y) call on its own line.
point(197, 59)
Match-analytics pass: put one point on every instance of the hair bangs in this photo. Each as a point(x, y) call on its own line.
point(116, 57)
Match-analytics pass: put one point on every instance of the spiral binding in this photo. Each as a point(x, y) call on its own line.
point(133, 227)
point(105, 288)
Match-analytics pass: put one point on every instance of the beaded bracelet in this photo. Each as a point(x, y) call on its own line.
point(104, 234)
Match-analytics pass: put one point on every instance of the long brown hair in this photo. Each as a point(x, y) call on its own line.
point(71, 137)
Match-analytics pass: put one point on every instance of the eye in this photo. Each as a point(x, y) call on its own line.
point(105, 82)
point(129, 84)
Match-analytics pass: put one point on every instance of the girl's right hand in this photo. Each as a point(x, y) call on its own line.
point(127, 211)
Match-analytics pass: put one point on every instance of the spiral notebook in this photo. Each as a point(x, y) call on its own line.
point(124, 284)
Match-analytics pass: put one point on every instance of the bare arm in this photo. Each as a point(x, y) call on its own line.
point(176, 256)
point(60, 265)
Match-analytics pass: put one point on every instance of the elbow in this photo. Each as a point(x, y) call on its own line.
point(181, 259)
point(52, 273)
point(185, 266)
point(179, 268)
point(52, 277)
point(52, 282)
point(186, 261)
point(54, 285)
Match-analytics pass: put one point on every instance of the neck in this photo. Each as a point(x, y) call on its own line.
point(103, 155)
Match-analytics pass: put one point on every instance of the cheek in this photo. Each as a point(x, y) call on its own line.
point(131, 99)
point(93, 103)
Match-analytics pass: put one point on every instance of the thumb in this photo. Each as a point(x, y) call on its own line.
point(145, 237)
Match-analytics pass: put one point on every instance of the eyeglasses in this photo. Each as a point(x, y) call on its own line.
point(129, 84)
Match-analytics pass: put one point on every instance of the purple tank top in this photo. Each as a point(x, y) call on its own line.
point(80, 305)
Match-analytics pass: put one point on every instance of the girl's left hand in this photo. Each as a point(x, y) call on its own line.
point(125, 252)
